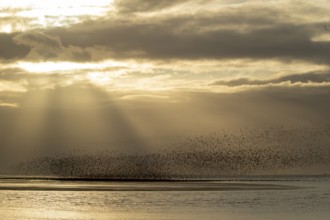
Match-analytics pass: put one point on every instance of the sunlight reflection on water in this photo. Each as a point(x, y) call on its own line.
point(302, 203)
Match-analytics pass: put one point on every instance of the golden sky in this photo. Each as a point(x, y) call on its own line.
point(139, 69)
point(164, 45)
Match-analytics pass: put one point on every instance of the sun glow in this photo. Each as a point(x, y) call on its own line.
point(100, 74)
point(67, 67)
point(52, 4)
point(101, 78)
point(6, 28)
point(49, 13)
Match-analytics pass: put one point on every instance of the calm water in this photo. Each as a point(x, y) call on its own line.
point(275, 198)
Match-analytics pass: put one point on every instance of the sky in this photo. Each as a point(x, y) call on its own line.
point(102, 72)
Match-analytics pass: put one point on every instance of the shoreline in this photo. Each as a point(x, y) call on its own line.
point(142, 186)
point(245, 178)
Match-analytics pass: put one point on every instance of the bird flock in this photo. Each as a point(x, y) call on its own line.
point(245, 152)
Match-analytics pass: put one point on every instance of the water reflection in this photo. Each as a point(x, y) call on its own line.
point(310, 201)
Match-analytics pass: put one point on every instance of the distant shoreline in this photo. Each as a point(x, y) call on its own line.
point(223, 178)
point(141, 186)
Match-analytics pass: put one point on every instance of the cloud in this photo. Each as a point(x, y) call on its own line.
point(11, 23)
point(11, 86)
point(296, 78)
point(41, 44)
point(246, 34)
point(9, 50)
point(249, 31)
point(143, 5)
point(46, 47)
point(128, 6)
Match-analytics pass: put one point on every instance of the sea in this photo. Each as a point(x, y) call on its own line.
point(250, 197)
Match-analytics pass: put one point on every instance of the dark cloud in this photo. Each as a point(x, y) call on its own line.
point(146, 5)
point(41, 44)
point(35, 45)
point(252, 32)
point(143, 5)
point(200, 36)
point(296, 78)
point(47, 47)
point(9, 49)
